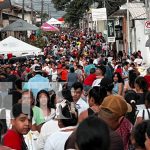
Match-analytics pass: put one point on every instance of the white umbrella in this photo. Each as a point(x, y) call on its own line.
point(53, 21)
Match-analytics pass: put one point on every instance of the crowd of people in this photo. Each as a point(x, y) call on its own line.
point(80, 95)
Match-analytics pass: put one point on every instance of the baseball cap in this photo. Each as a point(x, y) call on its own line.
point(116, 104)
point(37, 68)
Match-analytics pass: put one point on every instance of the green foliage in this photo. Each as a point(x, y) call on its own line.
point(75, 11)
point(76, 8)
point(39, 42)
point(60, 4)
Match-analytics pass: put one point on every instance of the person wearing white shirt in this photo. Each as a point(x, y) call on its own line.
point(100, 73)
point(76, 92)
point(144, 114)
point(138, 61)
point(47, 129)
point(67, 121)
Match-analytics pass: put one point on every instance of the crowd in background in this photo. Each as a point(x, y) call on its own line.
point(81, 94)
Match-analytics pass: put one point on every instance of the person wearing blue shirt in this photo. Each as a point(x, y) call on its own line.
point(89, 67)
point(38, 82)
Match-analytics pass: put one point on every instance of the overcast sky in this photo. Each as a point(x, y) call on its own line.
point(37, 6)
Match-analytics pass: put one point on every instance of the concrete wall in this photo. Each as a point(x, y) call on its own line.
point(101, 26)
point(141, 39)
point(27, 17)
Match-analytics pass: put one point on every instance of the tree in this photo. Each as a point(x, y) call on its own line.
point(76, 8)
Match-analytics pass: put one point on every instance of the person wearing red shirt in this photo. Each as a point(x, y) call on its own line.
point(64, 73)
point(90, 78)
point(21, 124)
point(147, 77)
point(119, 70)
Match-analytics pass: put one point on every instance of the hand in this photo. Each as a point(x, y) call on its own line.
point(147, 142)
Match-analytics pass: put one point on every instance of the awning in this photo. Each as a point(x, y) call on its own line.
point(20, 25)
point(137, 10)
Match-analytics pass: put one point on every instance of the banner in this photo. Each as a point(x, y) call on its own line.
point(111, 30)
point(99, 14)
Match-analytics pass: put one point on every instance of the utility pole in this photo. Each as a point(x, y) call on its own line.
point(31, 11)
point(128, 28)
point(22, 9)
point(48, 10)
point(42, 8)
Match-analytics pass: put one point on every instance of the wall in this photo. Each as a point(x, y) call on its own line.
point(141, 39)
point(27, 17)
point(100, 26)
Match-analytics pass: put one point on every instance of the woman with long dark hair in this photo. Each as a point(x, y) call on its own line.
point(118, 84)
point(44, 102)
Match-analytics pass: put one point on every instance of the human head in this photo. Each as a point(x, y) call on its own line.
point(27, 97)
point(63, 66)
point(67, 114)
point(43, 99)
point(21, 115)
point(141, 84)
point(92, 70)
point(117, 77)
point(72, 70)
point(132, 76)
point(91, 61)
point(36, 61)
point(96, 95)
point(76, 91)
point(131, 97)
point(18, 84)
point(66, 93)
point(138, 134)
point(92, 134)
point(126, 65)
point(113, 109)
point(107, 83)
point(37, 69)
point(101, 70)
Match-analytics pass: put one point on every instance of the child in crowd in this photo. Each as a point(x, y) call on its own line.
point(21, 124)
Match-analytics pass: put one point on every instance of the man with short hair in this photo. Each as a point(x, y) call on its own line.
point(89, 67)
point(21, 124)
point(38, 82)
point(112, 111)
point(76, 92)
point(100, 74)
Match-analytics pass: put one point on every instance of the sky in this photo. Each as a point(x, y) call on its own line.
point(37, 6)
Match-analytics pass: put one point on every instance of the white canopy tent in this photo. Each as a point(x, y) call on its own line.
point(53, 21)
point(17, 47)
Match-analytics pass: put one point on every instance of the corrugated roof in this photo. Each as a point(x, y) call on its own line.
point(137, 10)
